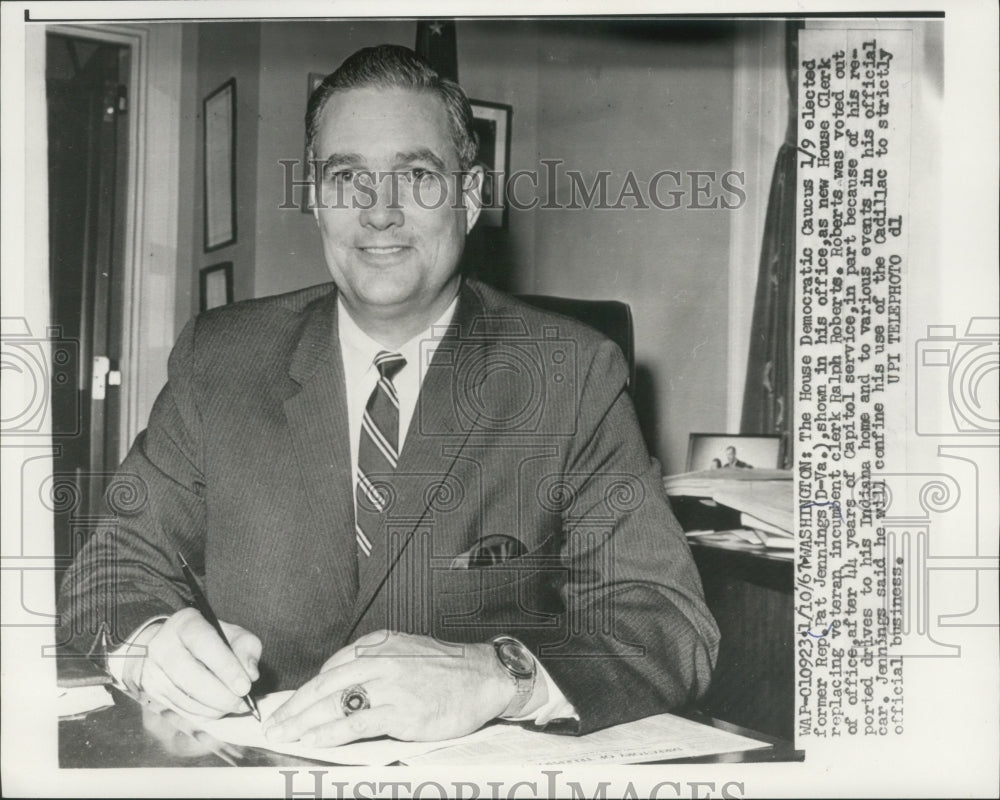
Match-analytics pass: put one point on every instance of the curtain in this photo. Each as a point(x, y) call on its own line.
point(767, 397)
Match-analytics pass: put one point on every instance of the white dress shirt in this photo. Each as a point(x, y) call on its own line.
point(358, 351)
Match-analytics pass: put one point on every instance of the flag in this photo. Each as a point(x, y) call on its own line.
point(437, 43)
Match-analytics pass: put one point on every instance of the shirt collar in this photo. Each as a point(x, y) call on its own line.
point(360, 349)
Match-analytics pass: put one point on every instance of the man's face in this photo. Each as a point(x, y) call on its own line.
point(730, 454)
point(391, 208)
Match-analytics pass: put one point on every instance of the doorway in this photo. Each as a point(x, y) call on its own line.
point(86, 84)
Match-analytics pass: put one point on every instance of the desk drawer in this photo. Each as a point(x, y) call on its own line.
point(751, 597)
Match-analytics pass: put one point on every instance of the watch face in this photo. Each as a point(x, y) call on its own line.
point(517, 659)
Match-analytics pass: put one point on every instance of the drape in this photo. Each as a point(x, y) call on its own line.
point(768, 392)
point(767, 396)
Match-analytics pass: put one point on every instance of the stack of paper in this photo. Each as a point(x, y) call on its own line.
point(747, 539)
point(758, 524)
point(704, 483)
point(768, 533)
point(769, 502)
point(652, 739)
point(764, 498)
point(655, 738)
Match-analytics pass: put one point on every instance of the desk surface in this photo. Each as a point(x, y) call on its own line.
point(132, 735)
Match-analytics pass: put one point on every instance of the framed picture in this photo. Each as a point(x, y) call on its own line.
point(219, 142)
point(216, 285)
point(733, 451)
point(313, 82)
point(491, 122)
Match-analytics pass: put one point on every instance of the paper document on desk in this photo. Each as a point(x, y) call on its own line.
point(72, 701)
point(768, 540)
point(705, 482)
point(245, 730)
point(769, 501)
point(651, 739)
point(750, 521)
point(748, 540)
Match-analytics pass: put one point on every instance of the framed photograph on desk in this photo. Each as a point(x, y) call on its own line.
point(733, 451)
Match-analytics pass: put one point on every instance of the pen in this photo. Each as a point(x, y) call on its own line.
point(201, 603)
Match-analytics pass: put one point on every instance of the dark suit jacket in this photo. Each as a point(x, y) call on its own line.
point(523, 427)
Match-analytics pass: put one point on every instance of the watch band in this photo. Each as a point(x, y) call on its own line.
point(516, 660)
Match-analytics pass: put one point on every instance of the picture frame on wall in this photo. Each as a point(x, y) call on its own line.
point(313, 82)
point(215, 286)
point(751, 451)
point(491, 123)
point(219, 151)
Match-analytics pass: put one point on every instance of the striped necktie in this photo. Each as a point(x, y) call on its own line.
point(378, 450)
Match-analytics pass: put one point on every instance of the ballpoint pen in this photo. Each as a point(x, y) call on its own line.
point(201, 603)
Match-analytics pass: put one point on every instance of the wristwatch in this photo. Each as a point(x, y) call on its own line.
point(517, 661)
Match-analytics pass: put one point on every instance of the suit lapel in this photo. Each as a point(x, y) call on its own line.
point(436, 435)
point(317, 420)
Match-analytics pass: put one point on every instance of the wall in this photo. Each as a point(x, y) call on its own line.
point(609, 96)
point(623, 98)
point(499, 62)
point(226, 50)
point(289, 253)
point(190, 239)
point(646, 105)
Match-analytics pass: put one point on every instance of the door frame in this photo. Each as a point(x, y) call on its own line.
point(152, 190)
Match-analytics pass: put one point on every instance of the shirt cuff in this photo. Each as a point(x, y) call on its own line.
point(557, 706)
point(117, 659)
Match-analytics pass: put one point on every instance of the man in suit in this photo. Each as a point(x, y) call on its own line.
point(732, 462)
point(336, 461)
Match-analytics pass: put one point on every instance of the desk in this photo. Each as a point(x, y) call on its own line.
point(750, 594)
point(128, 735)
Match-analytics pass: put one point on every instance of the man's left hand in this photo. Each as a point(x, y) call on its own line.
point(420, 689)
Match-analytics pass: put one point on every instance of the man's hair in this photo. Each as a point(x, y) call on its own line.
point(392, 66)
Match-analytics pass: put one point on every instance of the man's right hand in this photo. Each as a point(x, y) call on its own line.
point(188, 667)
